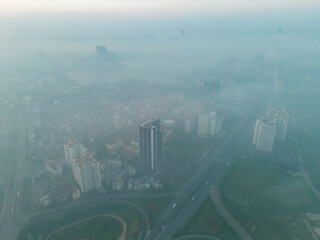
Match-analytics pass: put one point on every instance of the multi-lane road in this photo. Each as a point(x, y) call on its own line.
point(190, 196)
point(180, 210)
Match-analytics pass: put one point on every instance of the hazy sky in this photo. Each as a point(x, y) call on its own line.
point(150, 7)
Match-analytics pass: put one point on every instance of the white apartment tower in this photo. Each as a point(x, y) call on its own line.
point(280, 117)
point(209, 124)
point(86, 172)
point(264, 134)
point(85, 168)
point(73, 149)
point(203, 123)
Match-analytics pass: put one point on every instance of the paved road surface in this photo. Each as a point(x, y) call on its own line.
point(124, 225)
point(191, 196)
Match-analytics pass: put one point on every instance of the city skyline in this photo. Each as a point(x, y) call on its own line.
point(160, 120)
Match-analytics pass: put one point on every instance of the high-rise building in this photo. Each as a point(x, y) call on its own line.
point(150, 144)
point(282, 125)
point(209, 124)
point(212, 123)
point(264, 134)
point(86, 172)
point(203, 123)
point(84, 167)
point(189, 124)
point(73, 149)
point(280, 117)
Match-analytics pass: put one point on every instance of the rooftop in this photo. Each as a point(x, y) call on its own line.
point(87, 159)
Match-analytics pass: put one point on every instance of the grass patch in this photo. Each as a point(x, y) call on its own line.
point(312, 168)
point(309, 150)
point(207, 221)
point(154, 207)
point(100, 228)
point(274, 200)
point(44, 226)
point(180, 158)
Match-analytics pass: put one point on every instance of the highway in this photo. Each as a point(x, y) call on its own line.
point(10, 217)
point(180, 210)
point(191, 196)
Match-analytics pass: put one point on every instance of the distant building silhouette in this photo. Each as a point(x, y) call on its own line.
point(101, 50)
point(278, 80)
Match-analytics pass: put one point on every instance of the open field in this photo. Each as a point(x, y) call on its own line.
point(44, 227)
point(180, 159)
point(231, 119)
point(154, 207)
point(308, 133)
point(100, 228)
point(207, 221)
point(268, 201)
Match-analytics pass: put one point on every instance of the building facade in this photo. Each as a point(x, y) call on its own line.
point(281, 118)
point(150, 144)
point(86, 172)
point(264, 134)
point(209, 124)
point(73, 149)
point(203, 123)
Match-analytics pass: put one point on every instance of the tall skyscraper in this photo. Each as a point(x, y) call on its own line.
point(150, 144)
point(264, 134)
point(73, 149)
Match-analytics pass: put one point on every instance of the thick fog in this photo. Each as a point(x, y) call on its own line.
point(167, 126)
point(161, 50)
